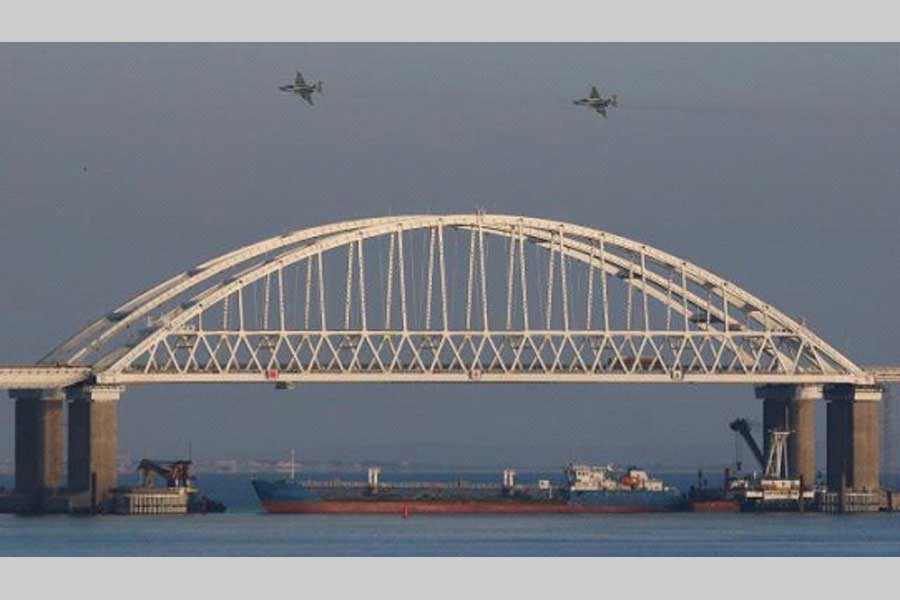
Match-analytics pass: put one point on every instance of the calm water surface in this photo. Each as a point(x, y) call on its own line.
point(246, 531)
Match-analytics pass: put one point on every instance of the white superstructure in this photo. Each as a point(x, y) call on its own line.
point(582, 477)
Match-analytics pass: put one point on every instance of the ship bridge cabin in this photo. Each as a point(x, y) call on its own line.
point(590, 477)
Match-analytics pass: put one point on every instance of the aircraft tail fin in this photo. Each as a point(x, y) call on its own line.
point(615, 100)
point(319, 86)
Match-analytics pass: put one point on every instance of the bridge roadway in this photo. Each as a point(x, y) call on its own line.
point(39, 377)
point(443, 299)
point(884, 375)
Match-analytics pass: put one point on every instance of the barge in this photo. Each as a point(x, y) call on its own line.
point(179, 496)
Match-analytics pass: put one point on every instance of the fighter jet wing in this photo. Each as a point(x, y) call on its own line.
point(308, 97)
point(594, 92)
point(601, 110)
point(298, 81)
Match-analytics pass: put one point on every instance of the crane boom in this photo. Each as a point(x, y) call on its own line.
point(743, 427)
point(175, 472)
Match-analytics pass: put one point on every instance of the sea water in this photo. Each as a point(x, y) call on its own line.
point(245, 530)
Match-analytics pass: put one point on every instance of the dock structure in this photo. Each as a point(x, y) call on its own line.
point(852, 502)
point(644, 316)
point(152, 501)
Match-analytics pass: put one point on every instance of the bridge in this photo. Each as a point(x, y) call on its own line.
point(441, 298)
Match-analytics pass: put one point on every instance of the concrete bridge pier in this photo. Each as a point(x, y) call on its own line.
point(792, 407)
point(854, 459)
point(93, 443)
point(38, 444)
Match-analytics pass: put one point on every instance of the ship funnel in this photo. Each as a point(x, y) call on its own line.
point(374, 472)
point(509, 479)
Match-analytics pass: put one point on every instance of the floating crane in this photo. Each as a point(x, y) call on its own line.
point(177, 496)
point(175, 472)
point(775, 489)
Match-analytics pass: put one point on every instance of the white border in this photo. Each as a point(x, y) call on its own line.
point(460, 20)
point(457, 20)
point(451, 579)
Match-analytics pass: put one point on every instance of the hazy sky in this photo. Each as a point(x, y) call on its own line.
point(776, 166)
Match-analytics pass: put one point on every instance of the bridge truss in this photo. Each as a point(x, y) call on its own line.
point(451, 298)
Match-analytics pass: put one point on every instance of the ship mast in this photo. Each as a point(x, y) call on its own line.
point(777, 465)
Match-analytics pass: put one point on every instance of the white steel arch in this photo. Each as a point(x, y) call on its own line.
point(535, 300)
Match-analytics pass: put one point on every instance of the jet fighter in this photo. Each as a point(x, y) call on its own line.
point(597, 102)
point(301, 88)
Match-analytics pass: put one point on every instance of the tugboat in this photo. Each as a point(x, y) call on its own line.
point(702, 498)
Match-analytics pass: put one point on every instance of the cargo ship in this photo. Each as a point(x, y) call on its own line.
point(587, 489)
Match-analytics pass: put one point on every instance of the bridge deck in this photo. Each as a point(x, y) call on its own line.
point(885, 374)
point(48, 377)
point(41, 377)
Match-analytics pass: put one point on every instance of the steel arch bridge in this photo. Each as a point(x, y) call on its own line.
point(448, 298)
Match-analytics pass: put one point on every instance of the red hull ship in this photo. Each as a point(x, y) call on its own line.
point(436, 507)
point(588, 490)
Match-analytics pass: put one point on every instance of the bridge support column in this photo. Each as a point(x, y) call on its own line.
point(93, 441)
point(854, 459)
point(39, 443)
point(792, 407)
